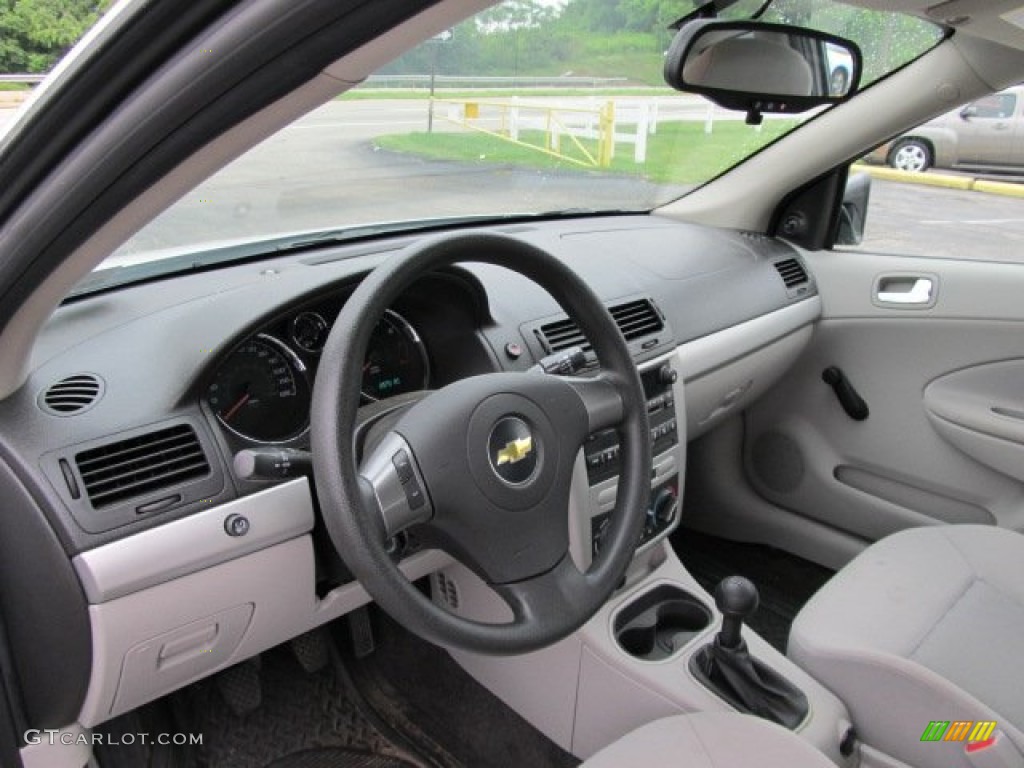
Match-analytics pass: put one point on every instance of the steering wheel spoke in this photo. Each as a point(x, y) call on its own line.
point(548, 597)
point(395, 485)
point(602, 398)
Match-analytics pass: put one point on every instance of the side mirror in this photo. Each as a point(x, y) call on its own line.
point(968, 112)
point(760, 68)
point(854, 210)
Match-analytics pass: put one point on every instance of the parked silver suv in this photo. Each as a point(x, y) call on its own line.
point(987, 133)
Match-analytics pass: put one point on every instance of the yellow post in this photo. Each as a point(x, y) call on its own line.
point(606, 134)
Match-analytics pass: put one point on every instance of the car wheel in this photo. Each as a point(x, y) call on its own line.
point(911, 155)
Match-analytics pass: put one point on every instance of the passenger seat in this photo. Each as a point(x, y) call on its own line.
point(709, 740)
point(926, 626)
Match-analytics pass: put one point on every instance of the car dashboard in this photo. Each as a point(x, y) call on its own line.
point(167, 556)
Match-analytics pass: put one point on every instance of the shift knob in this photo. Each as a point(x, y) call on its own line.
point(736, 597)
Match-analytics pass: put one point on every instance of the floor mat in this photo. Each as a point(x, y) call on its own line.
point(336, 758)
point(422, 693)
point(295, 718)
point(785, 581)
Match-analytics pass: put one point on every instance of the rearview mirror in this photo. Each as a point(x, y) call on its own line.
point(759, 68)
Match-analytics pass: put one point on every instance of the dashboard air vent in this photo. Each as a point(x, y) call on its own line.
point(139, 465)
point(561, 334)
point(72, 395)
point(637, 318)
point(634, 318)
point(792, 272)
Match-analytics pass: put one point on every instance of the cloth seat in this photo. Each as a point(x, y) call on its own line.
point(926, 625)
point(709, 740)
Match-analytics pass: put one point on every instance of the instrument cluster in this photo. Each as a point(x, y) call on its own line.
point(261, 391)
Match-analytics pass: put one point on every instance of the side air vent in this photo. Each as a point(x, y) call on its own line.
point(634, 318)
point(72, 395)
point(791, 271)
point(139, 465)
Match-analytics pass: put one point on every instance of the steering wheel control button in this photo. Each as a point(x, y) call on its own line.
point(403, 466)
point(236, 525)
point(414, 494)
point(513, 450)
point(397, 484)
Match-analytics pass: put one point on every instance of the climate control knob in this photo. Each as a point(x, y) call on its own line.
point(663, 508)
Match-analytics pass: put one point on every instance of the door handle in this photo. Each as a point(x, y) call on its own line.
point(905, 289)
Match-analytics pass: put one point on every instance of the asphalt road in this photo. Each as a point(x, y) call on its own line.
point(949, 223)
point(323, 171)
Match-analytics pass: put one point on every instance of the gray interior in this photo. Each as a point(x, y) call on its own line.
point(755, 446)
point(178, 550)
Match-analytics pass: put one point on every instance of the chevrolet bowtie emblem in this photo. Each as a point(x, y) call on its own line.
point(514, 451)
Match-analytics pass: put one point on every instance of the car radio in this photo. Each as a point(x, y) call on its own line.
point(601, 452)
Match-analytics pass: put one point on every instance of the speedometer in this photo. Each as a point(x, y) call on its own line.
point(260, 391)
point(396, 360)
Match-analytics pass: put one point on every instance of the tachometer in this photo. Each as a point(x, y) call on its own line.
point(396, 360)
point(260, 391)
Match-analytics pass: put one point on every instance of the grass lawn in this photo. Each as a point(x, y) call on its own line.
point(15, 87)
point(680, 153)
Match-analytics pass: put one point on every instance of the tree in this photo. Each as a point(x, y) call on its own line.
point(887, 40)
point(34, 34)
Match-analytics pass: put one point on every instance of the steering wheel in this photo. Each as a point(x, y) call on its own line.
point(481, 468)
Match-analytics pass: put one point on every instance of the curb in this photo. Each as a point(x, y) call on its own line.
point(999, 188)
point(946, 181)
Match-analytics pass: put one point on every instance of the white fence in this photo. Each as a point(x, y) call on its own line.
point(609, 123)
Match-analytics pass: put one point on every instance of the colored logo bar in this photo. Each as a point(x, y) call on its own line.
point(978, 735)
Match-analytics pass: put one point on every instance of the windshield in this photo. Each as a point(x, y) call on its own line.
point(533, 107)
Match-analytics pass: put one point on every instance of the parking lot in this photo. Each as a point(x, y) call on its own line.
point(948, 223)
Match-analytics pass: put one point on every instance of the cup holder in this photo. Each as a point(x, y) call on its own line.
point(660, 622)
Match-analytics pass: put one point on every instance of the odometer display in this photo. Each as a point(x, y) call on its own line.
point(260, 392)
point(396, 361)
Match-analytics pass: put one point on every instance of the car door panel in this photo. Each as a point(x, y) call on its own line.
point(1017, 148)
point(987, 136)
point(981, 411)
point(989, 143)
point(920, 368)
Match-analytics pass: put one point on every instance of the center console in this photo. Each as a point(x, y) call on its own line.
point(601, 456)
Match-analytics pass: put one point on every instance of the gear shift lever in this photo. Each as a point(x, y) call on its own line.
point(737, 599)
point(726, 667)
